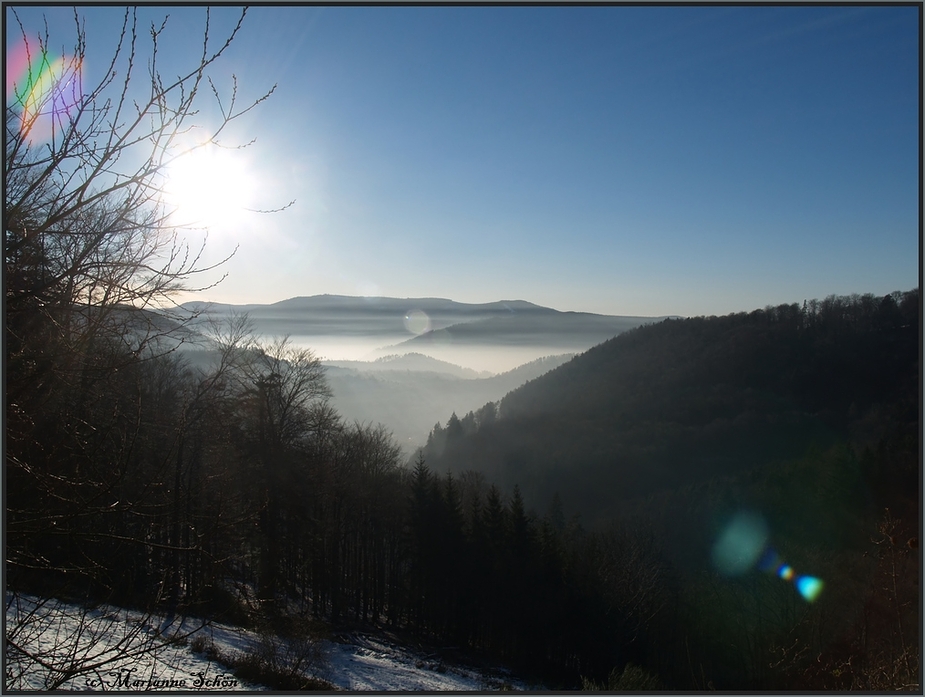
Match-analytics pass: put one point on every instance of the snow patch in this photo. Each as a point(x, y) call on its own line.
point(57, 645)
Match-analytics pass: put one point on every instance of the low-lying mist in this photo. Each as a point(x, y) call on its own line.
point(456, 356)
point(409, 402)
point(479, 358)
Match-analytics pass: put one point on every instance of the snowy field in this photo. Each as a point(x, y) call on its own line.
point(55, 645)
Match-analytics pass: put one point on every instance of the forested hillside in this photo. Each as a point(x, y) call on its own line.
point(682, 401)
point(759, 475)
point(235, 492)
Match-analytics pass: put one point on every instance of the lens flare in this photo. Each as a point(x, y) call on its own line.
point(417, 322)
point(741, 544)
point(43, 87)
point(809, 586)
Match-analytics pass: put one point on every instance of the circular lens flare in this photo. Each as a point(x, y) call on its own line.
point(741, 544)
point(417, 322)
point(808, 586)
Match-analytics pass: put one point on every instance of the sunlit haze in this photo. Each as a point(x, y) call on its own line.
point(648, 160)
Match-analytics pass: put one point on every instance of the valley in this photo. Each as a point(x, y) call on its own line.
point(457, 348)
point(409, 363)
point(408, 394)
point(579, 519)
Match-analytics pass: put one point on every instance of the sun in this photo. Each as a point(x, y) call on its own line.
point(208, 187)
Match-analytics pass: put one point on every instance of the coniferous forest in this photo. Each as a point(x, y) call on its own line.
point(579, 531)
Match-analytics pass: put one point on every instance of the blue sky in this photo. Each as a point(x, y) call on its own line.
point(625, 160)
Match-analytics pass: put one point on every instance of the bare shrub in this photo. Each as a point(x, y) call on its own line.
point(288, 656)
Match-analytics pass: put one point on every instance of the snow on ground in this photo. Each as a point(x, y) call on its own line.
point(56, 645)
point(368, 662)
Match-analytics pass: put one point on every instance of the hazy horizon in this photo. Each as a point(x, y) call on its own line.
point(494, 337)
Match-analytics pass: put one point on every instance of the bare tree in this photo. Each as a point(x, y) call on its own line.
point(284, 380)
point(53, 645)
point(283, 404)
point(88, 240)
point(87, 227)
point(93, 263)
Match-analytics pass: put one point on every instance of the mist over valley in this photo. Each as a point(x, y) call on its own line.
point(409, 402)
point(486, 337)
point(410, 363)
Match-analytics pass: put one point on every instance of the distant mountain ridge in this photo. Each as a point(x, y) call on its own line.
point(340, 315)
point(328, 303)
point(495, 336)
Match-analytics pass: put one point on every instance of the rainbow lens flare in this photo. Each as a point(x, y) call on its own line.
point(808, 586)
point(43, 87)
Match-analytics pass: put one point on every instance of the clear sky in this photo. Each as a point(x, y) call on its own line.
point(626, 160)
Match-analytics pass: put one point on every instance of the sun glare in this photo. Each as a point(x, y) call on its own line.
point(208, 187)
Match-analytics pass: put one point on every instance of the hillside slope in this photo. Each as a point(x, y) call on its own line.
point(568, 330)
point(682, 401)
